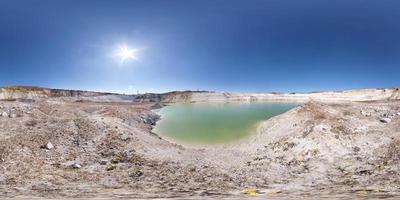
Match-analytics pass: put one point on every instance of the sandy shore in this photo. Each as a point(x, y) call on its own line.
point(53, 148)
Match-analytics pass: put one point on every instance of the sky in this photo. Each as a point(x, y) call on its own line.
point(218, 45)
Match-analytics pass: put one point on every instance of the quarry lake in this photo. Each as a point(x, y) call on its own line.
point(213, 123)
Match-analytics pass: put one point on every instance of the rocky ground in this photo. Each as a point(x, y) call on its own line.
point(52, 148)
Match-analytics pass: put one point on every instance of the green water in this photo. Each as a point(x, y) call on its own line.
point(214, 123)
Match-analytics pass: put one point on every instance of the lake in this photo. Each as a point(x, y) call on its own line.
point(213, 123)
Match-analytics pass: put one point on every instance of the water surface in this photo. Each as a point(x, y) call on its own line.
point(212, 123)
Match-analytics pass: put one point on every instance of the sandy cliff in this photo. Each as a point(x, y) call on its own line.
point(350, 95)
point(9, 93)
point(28, 92)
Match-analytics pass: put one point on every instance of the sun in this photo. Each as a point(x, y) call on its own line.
point(125, 53)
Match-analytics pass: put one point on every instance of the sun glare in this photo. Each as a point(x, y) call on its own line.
point(125, 53)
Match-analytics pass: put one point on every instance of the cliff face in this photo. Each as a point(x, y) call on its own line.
point(10, 93)
point(350, 95)
point(27, 92)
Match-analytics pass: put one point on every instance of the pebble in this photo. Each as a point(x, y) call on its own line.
point(398, 113)
point(385, 120)
point(367, 114)
point(4, 114)
point(76, 166)
point(103, 162)
point(13, 116)
point(49, 146)
point(110, 167)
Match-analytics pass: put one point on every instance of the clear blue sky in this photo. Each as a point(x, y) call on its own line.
point(223, 45)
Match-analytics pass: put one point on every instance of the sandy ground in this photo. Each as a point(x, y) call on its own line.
point(57, 149)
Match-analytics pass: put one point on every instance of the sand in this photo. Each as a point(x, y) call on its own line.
point(107, 150)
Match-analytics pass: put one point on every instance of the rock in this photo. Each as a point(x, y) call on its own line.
point(75, 166)
point(13, 115)
point(4, 114)
point(103, 162)
point(110, 167)
point(151, 119)
point(367, 114)
point(157, 106)
point(205, 193)
point(361, 129)
point(49, 146)
point(398, 114)
point(385, 120)
point(135, 173)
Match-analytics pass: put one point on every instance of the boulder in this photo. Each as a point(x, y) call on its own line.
point(4, 114)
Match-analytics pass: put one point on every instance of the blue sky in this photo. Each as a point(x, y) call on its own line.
point(248, 46)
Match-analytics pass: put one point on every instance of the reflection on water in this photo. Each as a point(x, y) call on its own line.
point(215, 123)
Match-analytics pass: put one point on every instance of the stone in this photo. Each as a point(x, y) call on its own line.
point(13, 115)
point(103, 162)
point(157, 106)
point(385, 120)
point(135, 173)
point(49, 146)
point(76, 166)
point(4, 114)
point(110, 167)
point(367, 114)
point(398, 114)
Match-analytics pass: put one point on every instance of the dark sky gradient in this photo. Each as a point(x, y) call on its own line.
point(247, 45)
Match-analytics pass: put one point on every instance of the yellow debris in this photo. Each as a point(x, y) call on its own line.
point(362, 193)
point(252, 192)
point(313, 152)
point(273, 192)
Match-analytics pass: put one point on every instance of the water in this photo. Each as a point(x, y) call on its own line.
point(214, 122)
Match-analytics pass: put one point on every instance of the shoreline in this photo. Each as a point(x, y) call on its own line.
point(250, 131)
